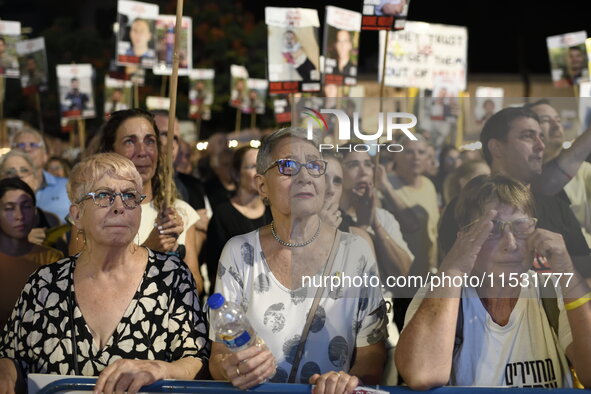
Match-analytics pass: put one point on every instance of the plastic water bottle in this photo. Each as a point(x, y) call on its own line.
point(230, 323)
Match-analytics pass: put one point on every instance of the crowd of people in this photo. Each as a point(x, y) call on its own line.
point(102, 273)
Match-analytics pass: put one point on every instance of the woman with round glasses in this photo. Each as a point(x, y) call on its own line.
point(505, 325)
point(164, 227)
point(265, 271)
point(116, 310)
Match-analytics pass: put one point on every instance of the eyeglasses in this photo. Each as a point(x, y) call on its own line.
point(521, 228)
point(24, 145)
point(291, 167)
point(104, 199)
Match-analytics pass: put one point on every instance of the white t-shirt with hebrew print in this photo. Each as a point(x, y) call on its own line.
point(346, 318)
point(523, 353)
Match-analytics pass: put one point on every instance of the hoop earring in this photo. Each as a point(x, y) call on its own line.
point(83, 237)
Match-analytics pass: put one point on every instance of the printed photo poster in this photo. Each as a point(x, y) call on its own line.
point(257, 95)
point(239, 92)
point(135, 74)
point(282, 108)
point(384, 14)
point(33, 65)
point(157, 102)
point(341, 46)
point(423, 52)
point(9, 35)
point(293, 50)
point(201, 92)
point(488, 101)
point(118, 95)
point(75, 90)
point(165, 45)
point(135, 37)
point(568, 58)
point(585, 105)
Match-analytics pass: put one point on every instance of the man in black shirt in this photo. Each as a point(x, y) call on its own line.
point(512, 144)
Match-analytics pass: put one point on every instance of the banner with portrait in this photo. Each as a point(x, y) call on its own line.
point(201, 91)
point(75, 91)
point(239, 88)
point(164, 35)
point(33, 65)
point(568, 58)
point(257, 95)
point(293, 50)
point(384, 14)
point(118, 95)
point(341, 46)
point(157, 103)
point(585, 105)
point(10, 33)
point(488, 101)
point(423, 52)
point(135, 37)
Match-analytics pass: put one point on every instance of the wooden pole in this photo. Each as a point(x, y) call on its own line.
point(382, 86)
point(3, 136)
point(293, 108)
point(172, 108)
point(238, 119)
point(82, 134)
point(253, 118)
point(163, 85)
point(198, 128)
point(136, 95)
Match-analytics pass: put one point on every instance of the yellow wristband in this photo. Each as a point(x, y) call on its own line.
point(578, 302)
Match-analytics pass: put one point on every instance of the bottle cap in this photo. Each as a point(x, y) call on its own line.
point(215, 301)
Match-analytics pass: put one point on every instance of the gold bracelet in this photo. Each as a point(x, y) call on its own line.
point(578, 302)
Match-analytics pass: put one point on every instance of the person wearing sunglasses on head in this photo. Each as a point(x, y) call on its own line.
point(265, 271)
point(116, 310)
point(506, 325)
point(51, 191)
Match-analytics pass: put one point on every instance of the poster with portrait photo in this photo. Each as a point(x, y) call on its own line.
point(257, 95)
point(384, 14)
point(568, 58)
point(487, 102)
point(75, 91)
point(293, 50)
point(118, 95)
point(282, 108)
point(341, 46)
point(135, 74)
point(239, 88)
point(165, 45)
point(135, 37)
point(10, 32)
point(157, 103)
point(33, 65)
point(201, 92)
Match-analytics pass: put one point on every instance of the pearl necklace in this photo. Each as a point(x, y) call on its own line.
point(294, 245)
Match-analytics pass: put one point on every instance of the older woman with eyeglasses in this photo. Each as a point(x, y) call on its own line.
point(506, 325)
point(265, 271)
point(117, 310)
point(166, 226)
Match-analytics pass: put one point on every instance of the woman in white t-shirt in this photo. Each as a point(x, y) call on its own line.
point(493, 328)
point(265, 271)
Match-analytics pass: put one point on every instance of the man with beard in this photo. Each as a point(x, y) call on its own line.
point(513, 145)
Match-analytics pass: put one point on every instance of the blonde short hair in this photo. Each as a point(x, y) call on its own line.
point(492, 188)
point(85, 174)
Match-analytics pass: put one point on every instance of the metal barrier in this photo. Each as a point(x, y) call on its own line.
point(202, 386)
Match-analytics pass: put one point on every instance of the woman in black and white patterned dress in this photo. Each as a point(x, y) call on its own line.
point(116, 310)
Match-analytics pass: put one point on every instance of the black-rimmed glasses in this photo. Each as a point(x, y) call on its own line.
point(292, 167)
point(104, 199)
